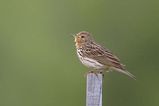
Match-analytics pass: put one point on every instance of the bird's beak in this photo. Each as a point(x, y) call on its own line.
point(74, 37)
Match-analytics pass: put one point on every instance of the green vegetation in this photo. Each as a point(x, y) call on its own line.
point(38, 62)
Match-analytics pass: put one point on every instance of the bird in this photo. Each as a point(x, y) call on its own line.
point(97, 58)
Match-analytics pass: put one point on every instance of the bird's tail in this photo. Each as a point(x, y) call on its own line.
point(124, 72)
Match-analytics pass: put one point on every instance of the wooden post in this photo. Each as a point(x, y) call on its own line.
point(94, 89)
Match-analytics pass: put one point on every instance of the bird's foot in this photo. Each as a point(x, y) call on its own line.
point(85, 75)
point(94, 72)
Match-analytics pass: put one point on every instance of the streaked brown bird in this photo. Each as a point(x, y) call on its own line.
point(96, 57)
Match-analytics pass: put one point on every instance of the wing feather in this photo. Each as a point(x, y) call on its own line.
point(103, 56)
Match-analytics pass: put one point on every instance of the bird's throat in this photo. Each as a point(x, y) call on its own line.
point(78, 45)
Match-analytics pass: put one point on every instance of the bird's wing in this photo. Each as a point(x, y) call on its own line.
point(104, 56)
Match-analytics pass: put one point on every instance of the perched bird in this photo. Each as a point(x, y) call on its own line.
point(96, 57)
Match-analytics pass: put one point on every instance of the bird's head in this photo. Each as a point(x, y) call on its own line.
point(83, 37)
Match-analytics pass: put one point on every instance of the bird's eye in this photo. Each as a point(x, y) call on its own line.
point(82, 36)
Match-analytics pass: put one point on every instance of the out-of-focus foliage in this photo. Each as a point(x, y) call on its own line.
point(38, 63)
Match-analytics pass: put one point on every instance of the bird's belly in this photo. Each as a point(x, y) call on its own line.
point(91, 63)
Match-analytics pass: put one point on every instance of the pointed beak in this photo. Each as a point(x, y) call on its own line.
point(74, 37)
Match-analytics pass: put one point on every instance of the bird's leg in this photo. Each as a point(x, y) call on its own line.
point(100, 72)
point(91, 71)
point(96, 72)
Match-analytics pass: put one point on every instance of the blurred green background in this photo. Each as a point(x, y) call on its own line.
point(38, 62)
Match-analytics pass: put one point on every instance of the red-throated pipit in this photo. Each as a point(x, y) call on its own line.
point(96, 57)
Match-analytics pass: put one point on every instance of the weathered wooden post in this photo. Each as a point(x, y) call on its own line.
point(94, 89)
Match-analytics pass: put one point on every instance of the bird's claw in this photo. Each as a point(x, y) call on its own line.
point(94, 72)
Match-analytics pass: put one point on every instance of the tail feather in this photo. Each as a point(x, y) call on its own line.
point(124, 72)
